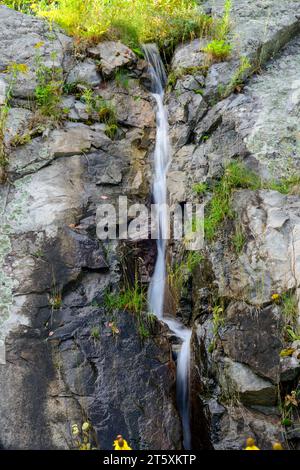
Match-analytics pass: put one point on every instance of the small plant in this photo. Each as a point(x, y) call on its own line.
point(83, 437)
point(95, 333)
point(12, 70)
point(218, 50)
point(238, 239)
point(122, 78)
point(289, 185)
point(200, 188)
point(49, 87)
point(221, 28)
point(55, 300)
point(290, 308)
point(218, 321)
point(237, 81)
point(180, 272)
point(131, 298)
point(99, 109)
point(219, 208)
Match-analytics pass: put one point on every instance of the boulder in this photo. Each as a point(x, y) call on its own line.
point(112, 56)
point(36, 43)
point(84, 73)
point(239, 382)
point(252, 336)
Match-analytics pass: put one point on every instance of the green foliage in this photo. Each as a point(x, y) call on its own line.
point(49, 87)
point(19, 5)
point(238, 77)
point(95, 333)
point(289, 185)
point(200, 188)
point(219, 208)
point(218, 50)
point(12, 70)
point(180, 271)
point(131, 298)
point(122, 78)
point(218, 321)
point(290, 308)
point(55, 300)
point(238, 239)
point(99, 109)
point(221, 28)
point(166, 22)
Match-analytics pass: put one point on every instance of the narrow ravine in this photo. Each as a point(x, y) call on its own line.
point(156, 294)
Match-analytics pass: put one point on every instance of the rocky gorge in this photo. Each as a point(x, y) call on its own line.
point(70, 352)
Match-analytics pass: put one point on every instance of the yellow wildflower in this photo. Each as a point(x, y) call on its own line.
point(85, 426)
point(38, 45)
point(276, 297)
point(75, 430)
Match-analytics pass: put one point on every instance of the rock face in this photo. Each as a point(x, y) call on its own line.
point(66, 354)
point(60, 361)
point(239, 328)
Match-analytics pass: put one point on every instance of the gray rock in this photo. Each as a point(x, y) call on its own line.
point(112, 55)
point(72, 140)
point(270, 262)
point(85, 73)
point(54, 48)
point(239, 381)
point(189, 55)
point(252, 336)
point(259, 30)
point(289, 369)
point(17, 124)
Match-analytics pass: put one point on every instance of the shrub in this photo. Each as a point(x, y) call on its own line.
point(218, 50)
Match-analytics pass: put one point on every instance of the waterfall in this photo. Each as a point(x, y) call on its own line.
point(158, 280)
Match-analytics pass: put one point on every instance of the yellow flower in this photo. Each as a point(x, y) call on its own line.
point(75, 430)
point(86, 426)
point(276, 297)
point(38, 45)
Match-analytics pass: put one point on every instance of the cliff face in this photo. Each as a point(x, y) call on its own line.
point(240, 377)
point(69, 356)
point(64, 363)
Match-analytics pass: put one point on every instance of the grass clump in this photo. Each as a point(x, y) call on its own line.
point(218, 50)
point(219, 208)
point(12, 71)
point(238, 239)
point(200, 188)
point(102, 110)
point(134, 22)
point(49, 89)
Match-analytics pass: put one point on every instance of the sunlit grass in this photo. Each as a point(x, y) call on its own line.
point(166, 22)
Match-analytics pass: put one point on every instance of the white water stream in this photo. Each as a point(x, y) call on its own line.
point(158, 280)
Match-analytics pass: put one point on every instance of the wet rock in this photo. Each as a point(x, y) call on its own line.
point(112, 55)
point(85, 73)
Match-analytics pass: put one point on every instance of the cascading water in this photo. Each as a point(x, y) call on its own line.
point(158, 280)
